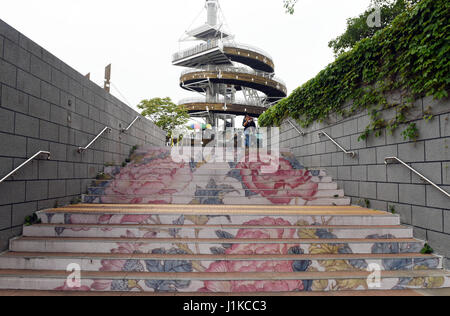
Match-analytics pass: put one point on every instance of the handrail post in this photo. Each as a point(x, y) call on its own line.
point(350, 153)
point(124, 130)
point(82, 149)
point(25, 163)
point(389, 159)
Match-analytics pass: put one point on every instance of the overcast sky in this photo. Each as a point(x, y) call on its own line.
point(139, 36)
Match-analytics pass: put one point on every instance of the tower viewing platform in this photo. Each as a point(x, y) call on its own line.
point(234, 78)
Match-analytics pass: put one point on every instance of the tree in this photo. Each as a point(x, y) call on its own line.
point(289, 5)
point(164, 113)
point(358, 28)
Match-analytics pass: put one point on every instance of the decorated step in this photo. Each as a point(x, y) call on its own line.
point(208, 231)
point(246, 263)
point(162, 215)
point(220, 282)
point(101, 184)
point(201, 180)
point(270, 194)
point(213, 169)
point(217, 198)
point(227, 244)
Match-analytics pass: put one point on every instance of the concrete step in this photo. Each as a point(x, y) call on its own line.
point(224, 179)
point(254, 263)
point(254, 215)
point(211, 192)
point(203, 184)
point(214, 200)
point(214, 170)
point(207, 231)
point(236, 282)
point(211, 245)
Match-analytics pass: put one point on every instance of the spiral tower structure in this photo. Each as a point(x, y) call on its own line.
point(233, 79)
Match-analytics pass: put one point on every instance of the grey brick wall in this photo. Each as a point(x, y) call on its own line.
point(366, 177)
point(46, 105)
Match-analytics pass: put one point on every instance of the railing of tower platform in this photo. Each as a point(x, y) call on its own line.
point(216, 44)
point(195, 50)
point(247, 47)
point(259, 103)
point(234, 69)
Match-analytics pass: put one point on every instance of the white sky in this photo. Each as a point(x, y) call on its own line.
point(139, 36)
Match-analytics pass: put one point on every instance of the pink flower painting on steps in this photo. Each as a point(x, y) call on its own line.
point(151, 183)
point(152, 177)
point(280, 187)
point(256, 266)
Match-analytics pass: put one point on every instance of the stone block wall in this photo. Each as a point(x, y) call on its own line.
point(367, 178)
point(47, 105)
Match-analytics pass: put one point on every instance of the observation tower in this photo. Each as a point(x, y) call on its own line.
point(232, 78)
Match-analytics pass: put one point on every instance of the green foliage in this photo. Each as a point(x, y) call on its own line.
point(427, 250)
point(164, 113)
point(410, 56)
point(358, 28)
point(365, 203)
point(75, 200)
point(411, 132)
point(133, 150)
point(289, 5)
point(392, 209)
point(101, 176)
point(31, 220)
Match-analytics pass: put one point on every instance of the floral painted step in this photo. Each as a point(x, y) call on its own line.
point(197, 215)
point(375, 244)
point(231, 282)
point(252, 263)
point(216, 199)
point(101, 184)
point(219, 169)
point(266, 194)
point(209, 231)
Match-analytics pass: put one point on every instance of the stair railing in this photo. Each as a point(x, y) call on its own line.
point(82, 149)
point(296, 128)
point(25, 163)
point(124, 130)
point(391, 159)
point(350, 153)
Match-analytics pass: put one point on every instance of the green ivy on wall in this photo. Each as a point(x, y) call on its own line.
point(411, 55)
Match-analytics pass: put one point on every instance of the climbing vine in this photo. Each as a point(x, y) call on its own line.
point(410, 56)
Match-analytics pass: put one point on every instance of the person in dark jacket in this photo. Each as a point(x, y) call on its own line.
point(249, 127)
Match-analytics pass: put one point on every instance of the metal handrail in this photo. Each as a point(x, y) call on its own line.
point(82, 149)
point(388, 159)
point(296, 128)
point(124, 130)
point(350, 153)
point(25, 163)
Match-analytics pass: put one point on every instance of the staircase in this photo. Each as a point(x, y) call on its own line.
point(153, 178)
point(156, 226)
